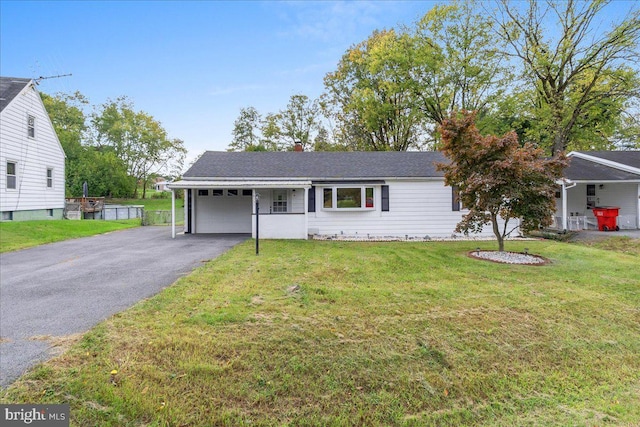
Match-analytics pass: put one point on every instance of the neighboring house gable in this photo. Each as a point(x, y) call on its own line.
point(32, 161)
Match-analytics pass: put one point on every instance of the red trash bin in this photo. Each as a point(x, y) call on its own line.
point(607, 217)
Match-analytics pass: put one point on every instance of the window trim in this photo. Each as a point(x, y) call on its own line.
point(280, 203)
point(50, 178)
point(14, 175)
point(31, 126)
point(363, 198)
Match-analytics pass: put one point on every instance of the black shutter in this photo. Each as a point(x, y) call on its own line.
point(385, 198)
point(312, 200)
point(455, 198)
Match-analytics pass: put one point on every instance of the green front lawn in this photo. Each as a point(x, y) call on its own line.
point(372, 334)
point(25, 234)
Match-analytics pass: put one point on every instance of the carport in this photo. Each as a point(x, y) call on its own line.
point(229, 207)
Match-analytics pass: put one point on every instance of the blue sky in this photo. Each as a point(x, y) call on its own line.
point(191, 65)
point(194, 64)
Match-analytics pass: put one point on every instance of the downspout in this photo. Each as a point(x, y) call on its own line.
point(173, 214)
point(564, 202)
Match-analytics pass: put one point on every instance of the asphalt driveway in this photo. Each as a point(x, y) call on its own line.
point(52, 291)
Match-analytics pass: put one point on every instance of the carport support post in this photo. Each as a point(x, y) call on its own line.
point(173, 216)
point(257, 224)
point(564, 206)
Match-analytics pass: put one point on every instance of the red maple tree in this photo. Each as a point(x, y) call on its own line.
point(498, 178)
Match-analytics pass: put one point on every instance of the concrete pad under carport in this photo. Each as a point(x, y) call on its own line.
point(65, 288)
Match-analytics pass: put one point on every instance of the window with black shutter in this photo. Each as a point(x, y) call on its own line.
point(312, 200)
point(455, 198)
point(385, 197)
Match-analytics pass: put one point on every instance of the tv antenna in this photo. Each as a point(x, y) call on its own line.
point(39, 79)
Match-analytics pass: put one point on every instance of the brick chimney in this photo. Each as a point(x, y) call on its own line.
point(298, 146)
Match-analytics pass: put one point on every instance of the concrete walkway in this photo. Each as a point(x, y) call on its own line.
point(52, 291)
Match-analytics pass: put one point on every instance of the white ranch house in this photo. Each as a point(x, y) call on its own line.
point(301, 194)
point(595, 179)
point(376, 194)
point(32, 184)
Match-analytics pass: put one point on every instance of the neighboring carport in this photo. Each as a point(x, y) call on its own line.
point(65, 288)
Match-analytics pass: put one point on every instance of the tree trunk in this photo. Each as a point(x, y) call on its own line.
point(496, 231)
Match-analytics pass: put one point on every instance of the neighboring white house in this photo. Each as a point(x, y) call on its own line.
point(32, 183)
point(595, 179)
point(375, 194)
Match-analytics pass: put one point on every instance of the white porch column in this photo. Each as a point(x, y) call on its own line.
point(564, 206)
point(306, 213)
point(173, 214)
point(638, 211)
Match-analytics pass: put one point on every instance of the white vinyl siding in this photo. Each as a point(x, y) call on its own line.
point(416, 208)
point(32, 156)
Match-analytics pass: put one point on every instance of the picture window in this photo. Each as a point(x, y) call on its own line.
point(348, 198)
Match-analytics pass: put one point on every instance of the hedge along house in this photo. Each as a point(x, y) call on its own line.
point(301, 194)
point(32, 175)
point(599, 178)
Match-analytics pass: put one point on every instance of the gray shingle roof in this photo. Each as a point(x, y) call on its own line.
point(585, 170)
point(629, 158)
point(10, 87)
point(316, 165)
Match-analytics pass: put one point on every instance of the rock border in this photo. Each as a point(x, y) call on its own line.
point(512, 258)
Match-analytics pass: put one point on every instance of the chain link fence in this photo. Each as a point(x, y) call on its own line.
point(156, 217)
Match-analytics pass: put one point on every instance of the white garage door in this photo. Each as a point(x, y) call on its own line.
point(223, 211)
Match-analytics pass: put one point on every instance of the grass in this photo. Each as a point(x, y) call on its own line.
point(25, 234)
point(155, 204)
point(377, 334)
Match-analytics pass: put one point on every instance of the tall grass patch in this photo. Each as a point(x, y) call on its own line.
point(336, 333)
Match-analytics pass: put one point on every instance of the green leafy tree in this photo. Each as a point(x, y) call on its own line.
point(580, 77)
point(456, 63)
point(370, 99)
point(497, 178)
point(103, 171)
point(139, 140)
point(271, 132)
point(246, 130)
point(298, 121)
